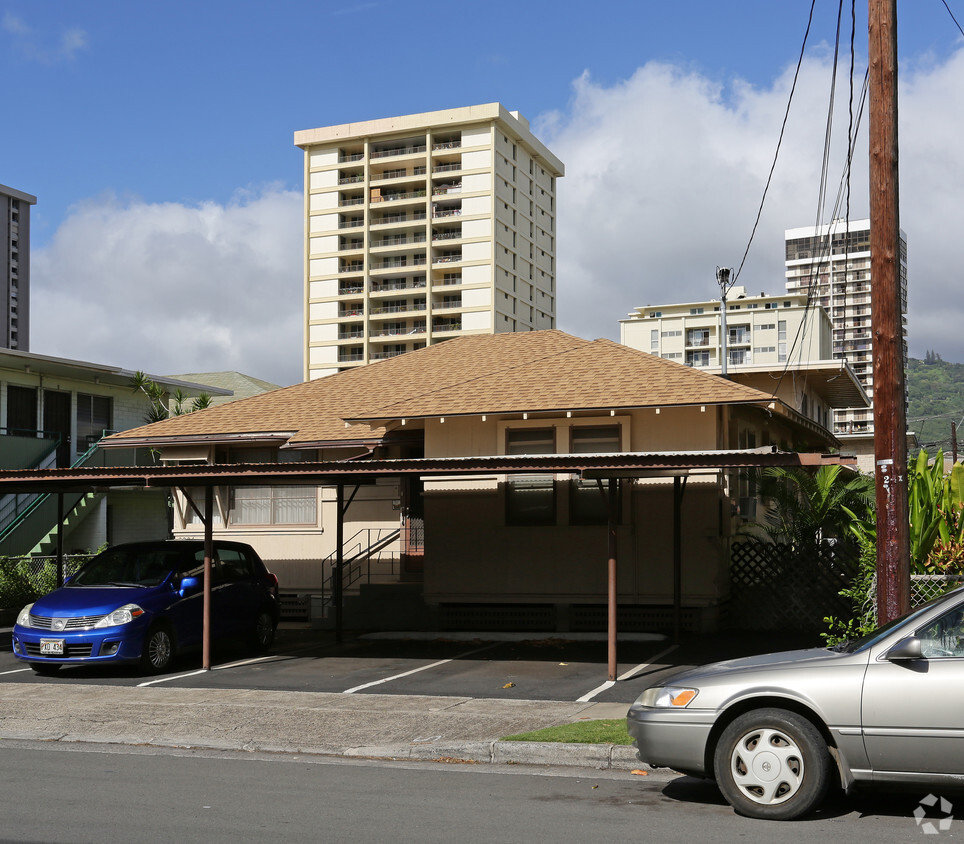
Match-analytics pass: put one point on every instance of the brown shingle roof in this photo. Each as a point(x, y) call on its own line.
point(489, 373)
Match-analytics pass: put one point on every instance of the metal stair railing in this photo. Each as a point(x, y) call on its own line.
point(16, 505)
point(357, 559)
point(38, 499)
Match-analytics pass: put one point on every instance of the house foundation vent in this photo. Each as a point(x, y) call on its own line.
point(536, 617)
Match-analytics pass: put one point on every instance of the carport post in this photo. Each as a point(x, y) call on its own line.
point(208, 554)
point(613, 518)
point(678, 487)
point(60, 539)
point(339, 559)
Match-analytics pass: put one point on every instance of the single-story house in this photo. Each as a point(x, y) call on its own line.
point(500, 547)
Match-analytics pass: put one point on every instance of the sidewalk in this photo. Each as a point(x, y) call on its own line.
point(380, 726)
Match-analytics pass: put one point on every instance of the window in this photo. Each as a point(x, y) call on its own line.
point(654, 339)
point(695, 311)
point(944, 637)
point(530, 499)
point(697, 337)
point(588, 504)
point(93, 418)
point(697, 358)
point(273, 505)
point(530, 441)
point(601, 439)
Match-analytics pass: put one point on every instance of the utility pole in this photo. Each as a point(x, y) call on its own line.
point(890, 423)
point(723, 279)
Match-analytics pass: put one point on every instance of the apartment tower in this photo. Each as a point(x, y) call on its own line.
point(424, 227)
point(15, 267)
point(831, 264)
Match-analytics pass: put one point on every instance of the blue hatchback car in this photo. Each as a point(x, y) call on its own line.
point(143, 602)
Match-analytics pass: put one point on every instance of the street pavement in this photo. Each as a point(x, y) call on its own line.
point(237, 709)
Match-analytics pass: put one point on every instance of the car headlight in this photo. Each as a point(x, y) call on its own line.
point(24, 618)
point(125, 615)
point(668, 697)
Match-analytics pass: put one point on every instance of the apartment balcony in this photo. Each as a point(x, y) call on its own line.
point(394, 151)
point(353, 223)
point(348, 201)
point(352, 267)
point(347, 157)
point(353, 334)
point(400, 262)
point(452, 144)
point(351, 357)
point(348, 245)
point(396, 308)
point(399, 240)
point(352, 179)
point(447, 302)
point(447, 168)
point(396, 196)
point(694, 343)
point(451, 258)
point(398, 173)
point(355, 309)
point(439, 211)
point(398, 218)
point(447, 325)
point(394, 334)
point(449, 279)
point(452, 234)
point(391, 285)
point(443, 190)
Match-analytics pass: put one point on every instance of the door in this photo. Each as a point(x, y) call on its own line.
point(912, 716)
point(57, 420)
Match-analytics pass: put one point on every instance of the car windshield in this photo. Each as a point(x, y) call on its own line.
point(852, 646)
point(129, 566)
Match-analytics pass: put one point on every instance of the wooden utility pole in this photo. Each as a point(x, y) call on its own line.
point(890, 422)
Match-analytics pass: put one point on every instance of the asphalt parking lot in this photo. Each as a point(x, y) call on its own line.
point(405, 664)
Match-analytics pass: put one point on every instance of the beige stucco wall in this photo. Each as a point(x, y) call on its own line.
point(471, 555)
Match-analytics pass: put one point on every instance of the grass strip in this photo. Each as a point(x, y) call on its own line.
point(604, 731)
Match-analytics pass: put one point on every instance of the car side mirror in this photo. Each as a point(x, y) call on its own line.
point(908, 648)
point(189, 584)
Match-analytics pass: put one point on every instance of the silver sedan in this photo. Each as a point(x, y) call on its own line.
point(773, 730)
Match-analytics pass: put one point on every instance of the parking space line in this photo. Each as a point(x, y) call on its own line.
point(213, 668)
point(417, 670)
point(174, 677)
point(15, 671)
point(643, 665)
point(631, 673)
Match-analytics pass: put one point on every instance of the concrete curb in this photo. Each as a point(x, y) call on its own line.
point(556, 754)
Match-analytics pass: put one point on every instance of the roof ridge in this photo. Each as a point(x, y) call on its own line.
point(581, 343)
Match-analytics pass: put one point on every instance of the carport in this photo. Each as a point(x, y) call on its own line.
point(347, 476)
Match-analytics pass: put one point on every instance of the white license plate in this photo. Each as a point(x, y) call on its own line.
point(52, 647)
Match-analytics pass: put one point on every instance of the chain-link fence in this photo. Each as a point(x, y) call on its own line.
point(24, 579)
point(924, 587)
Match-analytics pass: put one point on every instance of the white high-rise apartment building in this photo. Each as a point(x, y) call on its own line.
point(832, 265)
point(15, 267)
point(424, 227)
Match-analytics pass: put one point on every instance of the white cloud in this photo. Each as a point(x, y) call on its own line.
point(169, 288)
point(70, 42)
point(665, 172)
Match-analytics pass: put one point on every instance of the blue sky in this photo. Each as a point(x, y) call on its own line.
point(139, 118)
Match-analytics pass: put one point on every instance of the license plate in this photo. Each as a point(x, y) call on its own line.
point(51, 647)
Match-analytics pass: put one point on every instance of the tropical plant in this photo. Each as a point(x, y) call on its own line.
point(935, 502)
point(808, 508)
point(164, 405)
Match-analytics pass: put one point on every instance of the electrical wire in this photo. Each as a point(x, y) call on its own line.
point(776, 154)
point(952, 16)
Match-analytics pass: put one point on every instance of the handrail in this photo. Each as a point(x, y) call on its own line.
point(38, 499)
point(355, 553)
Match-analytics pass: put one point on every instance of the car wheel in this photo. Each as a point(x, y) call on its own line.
point(263, 633)
point(45, 669)
point(772, 764)
point(158, 651)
